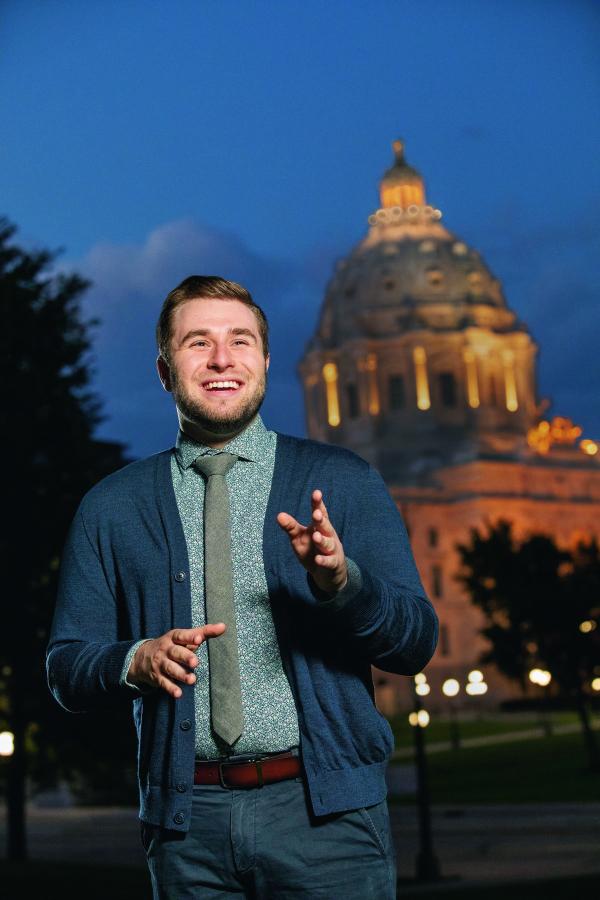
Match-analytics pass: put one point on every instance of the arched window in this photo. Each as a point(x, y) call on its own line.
point(447, 387)
point(435, 277)
point(397, 394)
point(352, 401)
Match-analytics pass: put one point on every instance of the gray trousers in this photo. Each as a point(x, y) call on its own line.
point(266, 844)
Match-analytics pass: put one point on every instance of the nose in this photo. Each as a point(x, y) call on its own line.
point(220, 357)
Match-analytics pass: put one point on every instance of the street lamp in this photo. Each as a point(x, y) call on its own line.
point(428, 867)
point(542, 678)
point(476, 686)
point(7, 743)
point(451, 689)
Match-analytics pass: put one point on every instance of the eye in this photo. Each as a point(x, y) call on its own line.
point(241, 341)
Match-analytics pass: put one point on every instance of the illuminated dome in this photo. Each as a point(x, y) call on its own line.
point(409, 272)
point(416, 359)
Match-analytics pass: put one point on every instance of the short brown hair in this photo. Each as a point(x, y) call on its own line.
point(200, 287)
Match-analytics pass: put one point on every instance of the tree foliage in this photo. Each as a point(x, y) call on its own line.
point(49, 458)
point(536, 597)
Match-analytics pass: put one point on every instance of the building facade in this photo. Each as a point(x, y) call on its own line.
point(419, 365)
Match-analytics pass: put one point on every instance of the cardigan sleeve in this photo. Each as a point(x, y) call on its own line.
point(384, 607)
point(85, 657)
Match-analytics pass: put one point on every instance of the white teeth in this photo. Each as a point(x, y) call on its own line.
point(222, 384)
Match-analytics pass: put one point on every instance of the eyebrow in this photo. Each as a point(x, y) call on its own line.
point(204, 332)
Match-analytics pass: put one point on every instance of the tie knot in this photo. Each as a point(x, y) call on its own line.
point(219, 464)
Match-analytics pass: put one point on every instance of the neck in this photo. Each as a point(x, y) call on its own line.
point(208, 438)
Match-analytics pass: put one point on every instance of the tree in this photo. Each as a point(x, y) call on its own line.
point(49, 458)
point(537, 598)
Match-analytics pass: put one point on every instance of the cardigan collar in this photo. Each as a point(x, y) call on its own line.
point(253, 443)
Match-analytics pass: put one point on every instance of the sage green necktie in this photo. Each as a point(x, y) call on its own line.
point(224, 667)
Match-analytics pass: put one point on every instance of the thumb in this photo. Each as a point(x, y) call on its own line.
point(289, 524)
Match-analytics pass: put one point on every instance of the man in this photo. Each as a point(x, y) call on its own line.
point(261, 753)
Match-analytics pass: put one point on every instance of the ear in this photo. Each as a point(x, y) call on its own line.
point(164, 373)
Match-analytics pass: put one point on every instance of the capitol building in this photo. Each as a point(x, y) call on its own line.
point(419, 365)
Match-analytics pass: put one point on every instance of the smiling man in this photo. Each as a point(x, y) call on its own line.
point(238, 588)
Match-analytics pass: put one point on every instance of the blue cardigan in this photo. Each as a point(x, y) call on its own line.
point(125, 576)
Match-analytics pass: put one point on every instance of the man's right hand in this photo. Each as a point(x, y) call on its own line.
point(164, 661)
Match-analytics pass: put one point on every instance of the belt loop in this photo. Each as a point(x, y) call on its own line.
point(259, 772)
point(221, 763)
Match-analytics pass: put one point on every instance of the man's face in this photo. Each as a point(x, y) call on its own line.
point(217, 370)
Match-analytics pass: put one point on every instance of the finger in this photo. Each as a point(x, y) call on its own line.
point(213, 629)
point(320, 516)
point(290, 525)
point(326, 544)
point(170, 687)
point(183, 656)
point(206, 631)
point(316, 497)
point(175, 672)
point(327, 562)
point(192, 636)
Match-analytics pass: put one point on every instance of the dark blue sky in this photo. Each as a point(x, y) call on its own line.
point(152, 140)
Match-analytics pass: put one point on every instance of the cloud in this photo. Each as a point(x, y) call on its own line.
point(129, 283)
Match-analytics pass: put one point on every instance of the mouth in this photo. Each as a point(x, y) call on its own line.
point(222, 386)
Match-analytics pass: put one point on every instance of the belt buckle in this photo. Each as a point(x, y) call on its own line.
point(257, 761)
point(220, 764)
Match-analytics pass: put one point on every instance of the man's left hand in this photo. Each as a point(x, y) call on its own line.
point(317, 546)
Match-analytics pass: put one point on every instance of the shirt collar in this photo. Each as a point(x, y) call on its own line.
point(253, 444)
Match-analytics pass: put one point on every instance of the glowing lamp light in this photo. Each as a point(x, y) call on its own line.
point(587, 626)
point(330, 374)
point(475, 677)
point(589, 447)
point(421, 678)
point(422, 384)
point(419, 719)
point(450, 687)
point(476, 688)
point(540, 676)
point(422, 689)
point(7, 743)
point(596, 684)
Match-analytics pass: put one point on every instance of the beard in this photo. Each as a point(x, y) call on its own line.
point(206, 417)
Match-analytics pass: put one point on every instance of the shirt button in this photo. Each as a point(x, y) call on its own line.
point(179, 818)
point(182, 787)
point(185, 725)
point(179, 576)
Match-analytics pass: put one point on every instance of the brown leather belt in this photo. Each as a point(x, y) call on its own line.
point(248, 773)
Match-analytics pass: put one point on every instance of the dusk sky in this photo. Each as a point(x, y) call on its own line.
point(154, 140)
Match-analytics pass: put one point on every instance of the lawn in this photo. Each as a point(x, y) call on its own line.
point(472, 726)
point(547, 769)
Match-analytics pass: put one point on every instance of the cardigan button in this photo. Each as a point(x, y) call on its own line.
point(179, 818)
point(179, 576)
point(185, 725)
point(181, 787)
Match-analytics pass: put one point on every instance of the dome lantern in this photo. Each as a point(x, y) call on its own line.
point(401, 186)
